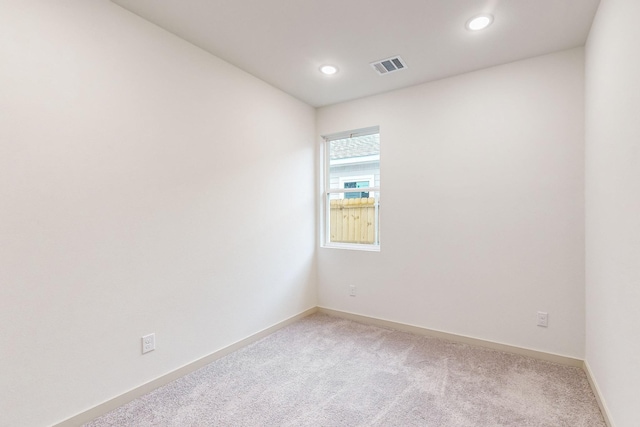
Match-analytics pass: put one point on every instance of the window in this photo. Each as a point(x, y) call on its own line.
point(351, 190)
point(357, 182)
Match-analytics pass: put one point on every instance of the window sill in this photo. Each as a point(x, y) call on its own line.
point(352, 247)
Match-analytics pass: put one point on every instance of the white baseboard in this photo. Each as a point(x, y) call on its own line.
point(127, 397)
point(599, 398)
point(541, 355)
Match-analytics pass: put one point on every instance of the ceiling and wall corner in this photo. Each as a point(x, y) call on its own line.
point(285, 42)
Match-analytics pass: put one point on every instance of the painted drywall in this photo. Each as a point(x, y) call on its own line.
point(613, 208)
point(145, 186)
point(482, 206)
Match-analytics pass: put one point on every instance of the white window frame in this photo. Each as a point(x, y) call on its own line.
point(326, 191)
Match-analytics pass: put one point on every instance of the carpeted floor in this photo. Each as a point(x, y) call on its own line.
point(326, 371)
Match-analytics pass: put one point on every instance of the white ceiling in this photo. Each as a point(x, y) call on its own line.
point(284, 42)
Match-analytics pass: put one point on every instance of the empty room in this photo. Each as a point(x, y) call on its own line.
point(319, 213)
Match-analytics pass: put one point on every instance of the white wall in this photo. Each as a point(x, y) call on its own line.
point(495, 230)
point(613, 208)
point(145, 186)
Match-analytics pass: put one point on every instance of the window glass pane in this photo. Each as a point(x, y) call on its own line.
point(354, 219)
point(356, 160)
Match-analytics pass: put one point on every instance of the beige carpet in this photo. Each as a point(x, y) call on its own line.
point(325, 371)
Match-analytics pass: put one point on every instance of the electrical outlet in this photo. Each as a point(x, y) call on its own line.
point(543, 319)
point(352, 290)
point(148, 343)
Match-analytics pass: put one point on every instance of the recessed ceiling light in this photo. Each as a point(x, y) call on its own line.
point(479, 22)
point(328, 69)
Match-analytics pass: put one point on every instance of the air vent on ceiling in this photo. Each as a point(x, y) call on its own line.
point(389, 65)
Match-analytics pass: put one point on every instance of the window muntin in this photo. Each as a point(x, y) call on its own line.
point(351, 191)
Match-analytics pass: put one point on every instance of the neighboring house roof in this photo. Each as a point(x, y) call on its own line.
point(360, 146)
